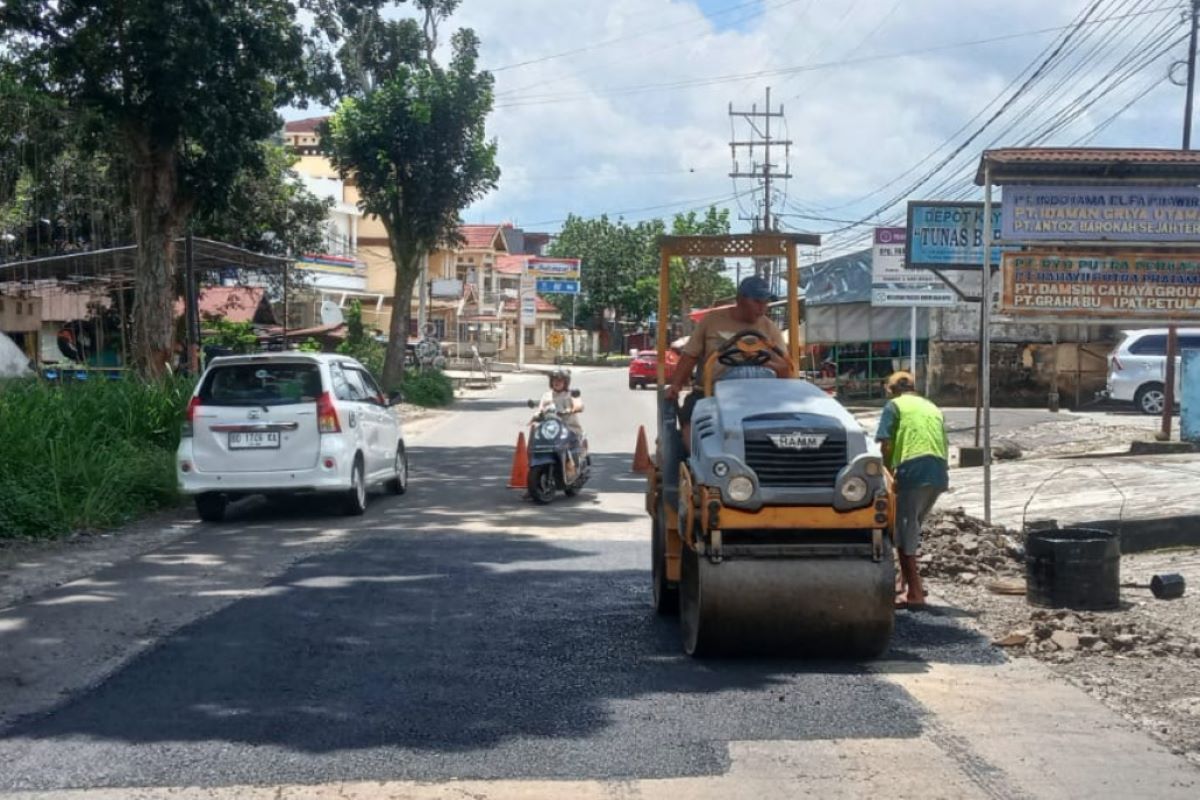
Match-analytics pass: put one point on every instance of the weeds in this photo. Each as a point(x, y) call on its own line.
point(88, 455)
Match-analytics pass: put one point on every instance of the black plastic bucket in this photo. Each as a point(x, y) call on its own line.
point(1077, 568)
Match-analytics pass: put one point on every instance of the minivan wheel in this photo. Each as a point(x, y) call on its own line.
point(211, 506)
point(399, 484)
point(355, 501)
point(1150, 399)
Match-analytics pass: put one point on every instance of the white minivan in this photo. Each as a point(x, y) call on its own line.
point(1137, 367)
point(277, 423)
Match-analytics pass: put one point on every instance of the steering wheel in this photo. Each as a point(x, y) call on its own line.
point(746, 348)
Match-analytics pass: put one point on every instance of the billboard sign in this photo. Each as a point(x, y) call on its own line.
point(893, 285)
point(552, 286)
point(1101, 213)
point(948, 235)
point(566, 269)
point(1115, 284)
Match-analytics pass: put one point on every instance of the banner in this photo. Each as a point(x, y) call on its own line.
point(1099, 284)
point(567, 269)
point(948, 235)
point(1101, 213)
point(550, 286)
point(893, 285)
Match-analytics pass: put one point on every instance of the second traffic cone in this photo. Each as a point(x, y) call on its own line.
point(517, 479)
point(641, 454)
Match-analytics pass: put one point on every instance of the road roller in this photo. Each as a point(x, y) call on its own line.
point(771, 528)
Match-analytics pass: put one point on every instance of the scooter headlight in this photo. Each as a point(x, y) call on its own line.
point(550, 429)
point(854, 489)
point(741, 488)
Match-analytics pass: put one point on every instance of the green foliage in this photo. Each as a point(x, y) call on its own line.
point(180, 95)
point(268, 209)
point(237, 336)
point(428, 387)
point(620, 264)
point(361, 345)
point(309, 345)
point(88, 455)
point(412, 134)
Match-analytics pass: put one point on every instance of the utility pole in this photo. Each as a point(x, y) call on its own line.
point(764, 172)
point(1172, 331)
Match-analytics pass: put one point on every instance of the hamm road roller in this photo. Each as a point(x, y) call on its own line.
point(772, 525)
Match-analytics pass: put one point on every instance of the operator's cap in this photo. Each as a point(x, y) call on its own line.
point(755, 288)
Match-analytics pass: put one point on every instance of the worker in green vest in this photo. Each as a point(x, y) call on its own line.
point(912, 435)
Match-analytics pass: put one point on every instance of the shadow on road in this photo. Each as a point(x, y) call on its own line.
point(519, 656)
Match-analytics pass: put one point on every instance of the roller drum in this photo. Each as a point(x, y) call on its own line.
point(800, 606)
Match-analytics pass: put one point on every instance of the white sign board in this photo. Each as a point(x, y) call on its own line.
point(528, 300)
point(893, 285)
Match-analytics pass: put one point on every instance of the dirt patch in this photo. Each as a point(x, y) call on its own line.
point(1142, 660)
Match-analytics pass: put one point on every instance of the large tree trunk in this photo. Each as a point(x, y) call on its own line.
point(156, 215)
point(405, 255)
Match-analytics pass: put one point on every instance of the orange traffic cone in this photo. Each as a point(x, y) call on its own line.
point(520, 465)
point(641, 454)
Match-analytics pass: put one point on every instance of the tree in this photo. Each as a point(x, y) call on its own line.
point(269, 209)
point(699, 281)
point(620, 265)
point(180, 92)
point(411, 133)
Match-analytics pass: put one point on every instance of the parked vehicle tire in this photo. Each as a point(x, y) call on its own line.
point(399, 484)
point(354, 502)
point(1150, 399)
point(541, 484)
point(633, 384)
point(211, 506)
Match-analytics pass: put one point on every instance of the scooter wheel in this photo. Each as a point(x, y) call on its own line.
point(541, 484)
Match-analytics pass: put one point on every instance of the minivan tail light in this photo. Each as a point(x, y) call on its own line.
point(327, 418)
point(190, 417)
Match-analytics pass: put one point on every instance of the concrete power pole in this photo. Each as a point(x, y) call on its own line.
point(759, 123)
point(1173, 332)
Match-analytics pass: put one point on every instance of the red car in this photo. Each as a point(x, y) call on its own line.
point(643, 369)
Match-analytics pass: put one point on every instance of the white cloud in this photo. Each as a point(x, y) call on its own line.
point(587, 133)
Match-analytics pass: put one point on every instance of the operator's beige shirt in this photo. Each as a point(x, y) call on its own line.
point(717, 327)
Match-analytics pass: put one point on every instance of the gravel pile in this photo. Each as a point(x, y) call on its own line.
point(961, 547)
point(1062, 635)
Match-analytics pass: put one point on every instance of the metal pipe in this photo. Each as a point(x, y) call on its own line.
point(664, 322)
point(985, 344)
point(793, 306)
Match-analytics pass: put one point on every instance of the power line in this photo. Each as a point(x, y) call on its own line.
point(718, 79)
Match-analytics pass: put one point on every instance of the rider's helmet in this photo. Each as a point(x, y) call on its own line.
point(563, 375)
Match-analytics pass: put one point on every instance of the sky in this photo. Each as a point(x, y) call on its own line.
point(622, 106)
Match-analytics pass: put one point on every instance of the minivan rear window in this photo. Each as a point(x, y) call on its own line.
point(1153, 345)
point(261, 385)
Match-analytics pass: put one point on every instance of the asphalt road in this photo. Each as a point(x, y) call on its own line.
point(459, 632)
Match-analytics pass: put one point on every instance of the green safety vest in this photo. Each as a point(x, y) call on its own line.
point(920, 430)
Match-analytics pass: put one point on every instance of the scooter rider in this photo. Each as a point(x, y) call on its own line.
point(559, 397)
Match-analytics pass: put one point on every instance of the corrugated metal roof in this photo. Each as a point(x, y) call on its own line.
point(1013, 164)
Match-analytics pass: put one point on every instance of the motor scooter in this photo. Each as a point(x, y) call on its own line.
point(557, 457)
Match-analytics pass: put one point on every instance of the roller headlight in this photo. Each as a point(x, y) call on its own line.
point(741, 488)
point(720, 469)
point(873, 468)
point(854, 489)
point(550, 429)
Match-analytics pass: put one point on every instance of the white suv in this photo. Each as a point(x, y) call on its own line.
point(289, 422)
point(1137, 367)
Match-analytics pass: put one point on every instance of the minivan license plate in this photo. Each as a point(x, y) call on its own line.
point(265, 440)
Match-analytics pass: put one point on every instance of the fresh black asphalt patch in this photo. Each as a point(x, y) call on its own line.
point(439, 655)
